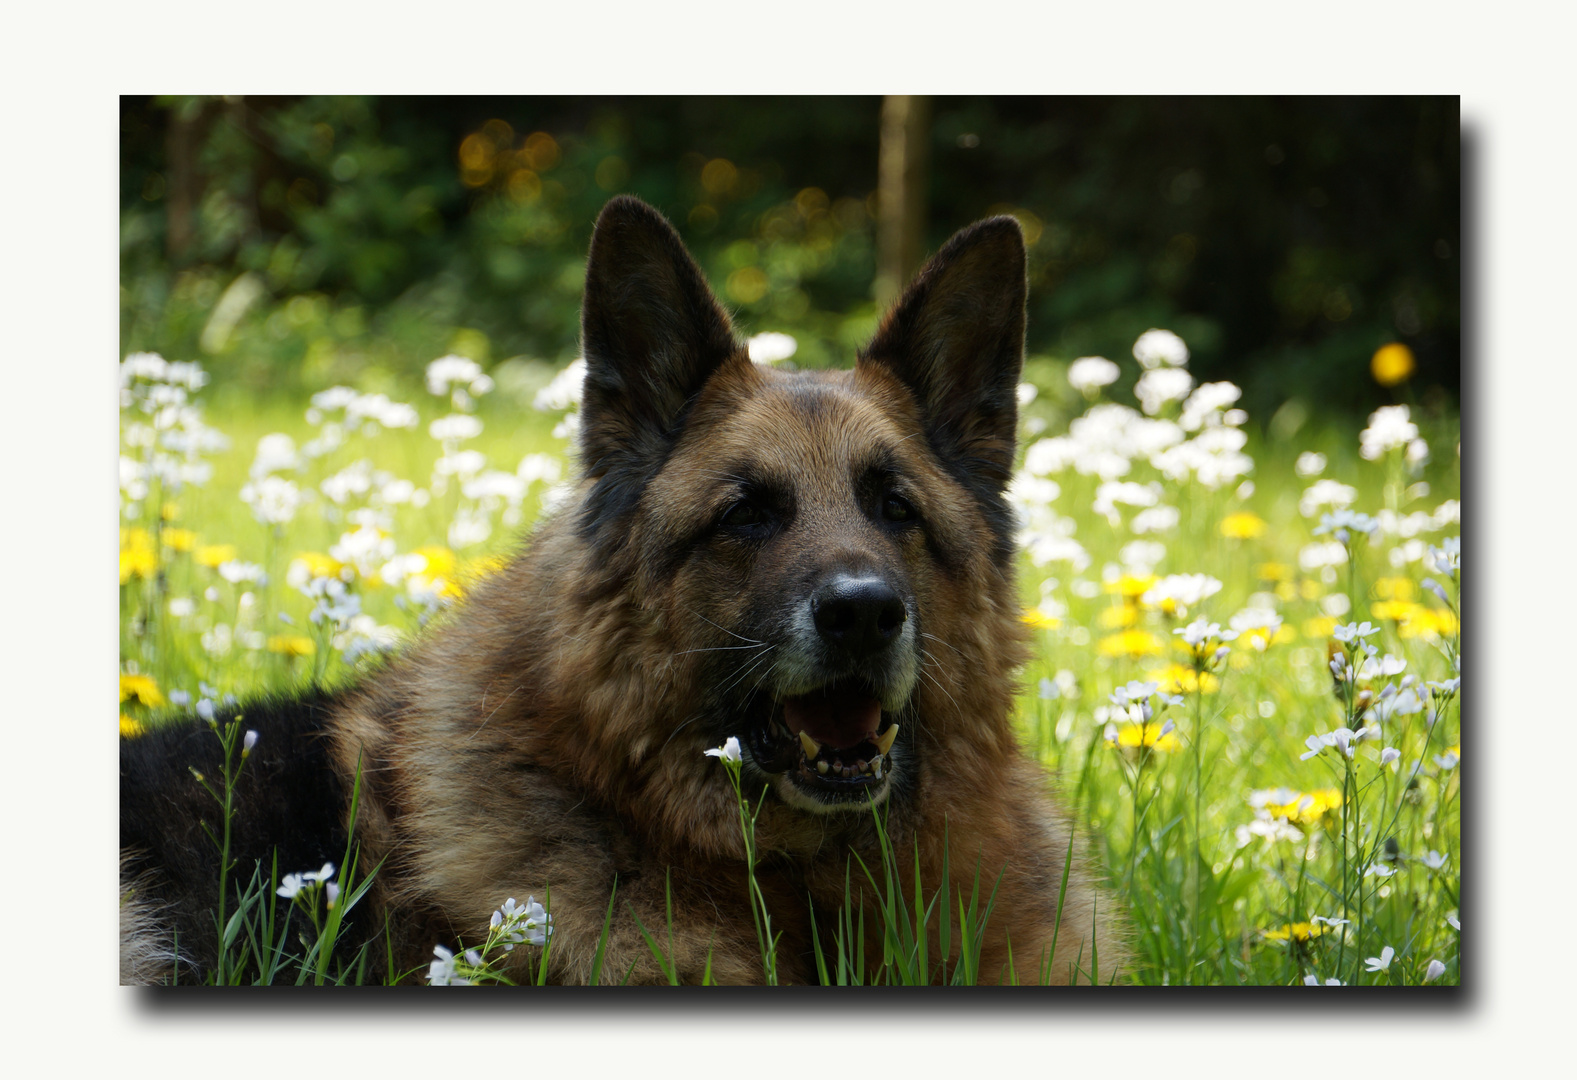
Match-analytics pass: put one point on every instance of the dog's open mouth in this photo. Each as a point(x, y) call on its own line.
point(837, 738)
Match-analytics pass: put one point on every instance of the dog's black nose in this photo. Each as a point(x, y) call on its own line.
point(859, 616)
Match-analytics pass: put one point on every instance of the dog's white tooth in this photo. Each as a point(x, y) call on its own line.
point(884, 741)
point(876, 768)
point(811, 746)
point(821, 767)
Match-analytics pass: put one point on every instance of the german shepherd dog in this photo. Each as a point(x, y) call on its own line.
point(817, 563)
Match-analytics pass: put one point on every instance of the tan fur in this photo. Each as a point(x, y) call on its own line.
point(538, 740)
point(147, 955)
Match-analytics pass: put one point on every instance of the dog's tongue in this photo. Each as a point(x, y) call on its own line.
point(834, 718)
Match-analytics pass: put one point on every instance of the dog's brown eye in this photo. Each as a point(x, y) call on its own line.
point(897, 508)
point(744, 515)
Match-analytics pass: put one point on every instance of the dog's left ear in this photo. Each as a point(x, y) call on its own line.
point(956, 339)
point(652, 334)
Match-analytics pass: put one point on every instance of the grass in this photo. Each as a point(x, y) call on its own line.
point(1239, 857)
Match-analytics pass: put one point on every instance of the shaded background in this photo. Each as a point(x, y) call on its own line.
point(293, 243)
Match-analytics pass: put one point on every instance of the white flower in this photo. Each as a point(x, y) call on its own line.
point(1389, 429)
point(1382, 668)
point(274, 453)
point(455, 427)
point(273, 499)
point(1088, 374)
point(1447, 761)
point(449, 370)
point(319, 875)
point(1314, 980)
point(236, 572)
point(1157, 347)
point(771, 347)
point(331, 892)
point(1389, 754)
point(1434, 971)
point(564, 391)
point(1331, 493)
point(1200, 631)
point(1434, 859)
point(539, 468)
point(1258, 625)
point(729, 751)
point(1447, 558)
point(442, 970)
point(1157, 519)
point(1206, 404)
point(1134, 692)
point(1455, 922)
point(1343, 739)
point(248, 742)
point(1350, 632)
point(1379, 870)
point(1381, 962)
point(1112, 492)
point(1327, 920)
point(1310, 464)
point(1340, 522)
point(1155, 388)
point(1184, 590)
point(290, 885)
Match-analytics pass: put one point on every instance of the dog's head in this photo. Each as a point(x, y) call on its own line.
point(821, 559)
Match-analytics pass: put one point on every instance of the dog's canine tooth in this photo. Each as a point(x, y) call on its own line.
point(884, 741)
point(811, 746)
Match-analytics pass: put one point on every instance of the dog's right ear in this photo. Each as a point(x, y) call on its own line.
point(651, 333)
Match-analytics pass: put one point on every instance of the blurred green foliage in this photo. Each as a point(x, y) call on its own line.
point(292, 243)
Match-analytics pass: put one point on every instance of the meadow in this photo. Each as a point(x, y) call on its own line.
point(1248, 637)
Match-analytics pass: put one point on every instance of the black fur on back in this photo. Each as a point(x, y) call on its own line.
point(288, 798)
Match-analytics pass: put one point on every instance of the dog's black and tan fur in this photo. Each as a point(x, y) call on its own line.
point(799, 559)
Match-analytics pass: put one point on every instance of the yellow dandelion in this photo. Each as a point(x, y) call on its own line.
point(1298, 931)
point(130, 727)
point(1260, 638)
point(317, 565)
point(440, 560)
point(1309, 590)
point(1320, 626)
point(170, 511)
point(1134, 736)
point(1132, 643)
point(137, 564)
point(1179, 679)
point(1242, 526)
point(1397, 611)
point(211, 555)
point(1298, 807)
point(1118, 617)
point(178, 540)
point(1428, 622)
point(481, 568)
point(1394, 588)
point(1040, 620)
point(292, 645)
point(141, 689)
point(1130, 586)
point(1392, 364)
point(135, 540)
point(1273, 571)
point(1286, 592)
